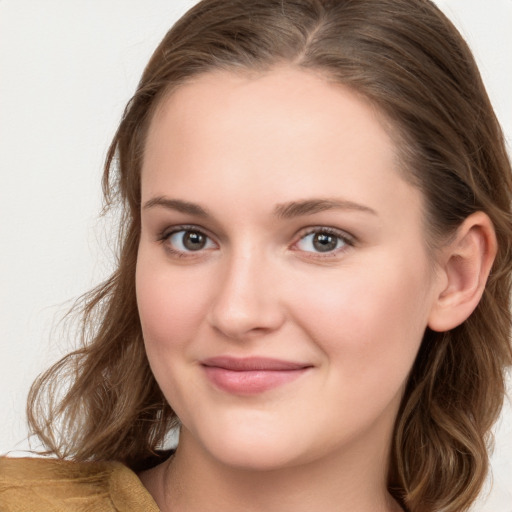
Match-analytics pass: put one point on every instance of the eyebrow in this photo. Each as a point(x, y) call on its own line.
point(311, 206)
point(178, 205)
point(282, 211)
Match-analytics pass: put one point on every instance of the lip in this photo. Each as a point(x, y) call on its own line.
point(251, 375)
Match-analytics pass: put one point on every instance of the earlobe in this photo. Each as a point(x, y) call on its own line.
point(465, 264)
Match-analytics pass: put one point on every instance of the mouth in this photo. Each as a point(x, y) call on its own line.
point(251, 375)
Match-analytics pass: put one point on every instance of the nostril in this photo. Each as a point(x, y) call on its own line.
point(244, 302)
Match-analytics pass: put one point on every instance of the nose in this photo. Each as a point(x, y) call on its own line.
point(246, 303)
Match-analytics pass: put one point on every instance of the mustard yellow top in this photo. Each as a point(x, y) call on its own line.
point(49, 485)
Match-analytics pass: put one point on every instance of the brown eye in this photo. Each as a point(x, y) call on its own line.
point(189, 240)
point(323, 241)
point(194, 241)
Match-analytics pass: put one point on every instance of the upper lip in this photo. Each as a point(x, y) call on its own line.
point(241, 364)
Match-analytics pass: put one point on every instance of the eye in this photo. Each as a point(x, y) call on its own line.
point(323, 240)
point(188, 240)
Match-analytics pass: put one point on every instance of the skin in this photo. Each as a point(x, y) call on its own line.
point(355, 315)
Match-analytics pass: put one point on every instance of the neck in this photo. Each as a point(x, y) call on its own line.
point(192, 481)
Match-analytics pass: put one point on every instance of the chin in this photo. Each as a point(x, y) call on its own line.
point(254, 457)
point(254, 449)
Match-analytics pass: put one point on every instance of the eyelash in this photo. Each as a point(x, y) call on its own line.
point(165, 236)
point(346, 239)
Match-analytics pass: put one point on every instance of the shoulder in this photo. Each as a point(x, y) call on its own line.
point(44, 485)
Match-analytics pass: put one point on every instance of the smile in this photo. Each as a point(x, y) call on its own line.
point(250, 376)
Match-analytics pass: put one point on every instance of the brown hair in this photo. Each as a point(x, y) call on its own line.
point(407, 59)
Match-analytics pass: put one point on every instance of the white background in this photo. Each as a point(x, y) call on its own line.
point(67, 68)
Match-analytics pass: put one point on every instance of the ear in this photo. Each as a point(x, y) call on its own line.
point(463, 268)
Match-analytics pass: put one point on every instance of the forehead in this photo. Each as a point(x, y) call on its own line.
point(271, 138)
point(296, 109)
point(292, 91)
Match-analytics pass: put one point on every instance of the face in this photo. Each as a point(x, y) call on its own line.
point(283, 280)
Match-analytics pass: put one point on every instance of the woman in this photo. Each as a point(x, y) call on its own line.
point(319, 349)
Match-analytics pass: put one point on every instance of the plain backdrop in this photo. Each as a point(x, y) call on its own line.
point(67, 68)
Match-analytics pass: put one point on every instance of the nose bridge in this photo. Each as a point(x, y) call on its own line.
point(245, 302)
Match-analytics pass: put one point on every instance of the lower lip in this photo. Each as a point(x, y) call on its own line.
point(250, 382)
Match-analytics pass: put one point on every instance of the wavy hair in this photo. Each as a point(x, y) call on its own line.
point(409, 61)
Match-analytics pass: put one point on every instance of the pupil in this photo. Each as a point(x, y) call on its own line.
point(324, 242)
point(194, 241)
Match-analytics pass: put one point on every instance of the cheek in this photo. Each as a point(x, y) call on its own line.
point(369, 319)
point(170, 305)
point(170, 311)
